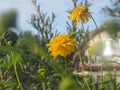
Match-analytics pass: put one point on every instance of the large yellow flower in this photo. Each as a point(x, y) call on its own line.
point(61, 45)
point(80, 13)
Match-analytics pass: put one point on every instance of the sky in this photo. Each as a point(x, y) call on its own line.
point(25, 9)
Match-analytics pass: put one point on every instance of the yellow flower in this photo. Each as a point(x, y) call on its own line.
point(80, 13)
point(61, 45)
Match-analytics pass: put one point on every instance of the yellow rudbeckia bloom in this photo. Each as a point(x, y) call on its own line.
point(61, 45)
point(80, 13)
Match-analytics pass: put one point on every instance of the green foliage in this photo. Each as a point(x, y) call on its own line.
point(26, 40)
point(8, 19)
point(43, 24)
point(27, 65)
point(1, 30)
point(8, 37)
point(113, 28)
point(11, 60)
point(66, 84)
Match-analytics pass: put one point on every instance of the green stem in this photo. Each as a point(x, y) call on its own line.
point(90, 65)
point(82, 26)
point(20, 85)
point(65, 67)
point(95, 24)
point(91, 70)
point(83, 69)
point(43, 85)
point(93, 20)
point(102, 72)
point(81, 62)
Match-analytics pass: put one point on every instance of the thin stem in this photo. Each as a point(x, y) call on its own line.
point(65, 67)
point(93, 20)
point(20, 85)
point(102, 72)
point(82, 26)
point(90, 63)
point(95, 24)
point(43, 85)
point(91, 70)
point(86, 83)
point(81, 64)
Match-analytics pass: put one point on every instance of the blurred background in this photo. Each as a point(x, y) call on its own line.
point(25, 8)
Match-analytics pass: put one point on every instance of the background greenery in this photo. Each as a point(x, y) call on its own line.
point(25, 63)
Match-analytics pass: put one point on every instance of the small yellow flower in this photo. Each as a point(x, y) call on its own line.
point(80, 13)
point(61, 45)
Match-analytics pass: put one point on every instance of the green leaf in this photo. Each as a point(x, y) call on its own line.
point(16, 58)
point(66, 84)
point(10, 84)
point(10, 48)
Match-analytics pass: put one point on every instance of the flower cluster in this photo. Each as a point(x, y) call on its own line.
point(80, 13)
point(61, 45)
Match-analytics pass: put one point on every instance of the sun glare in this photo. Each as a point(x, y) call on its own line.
point(108, 50)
